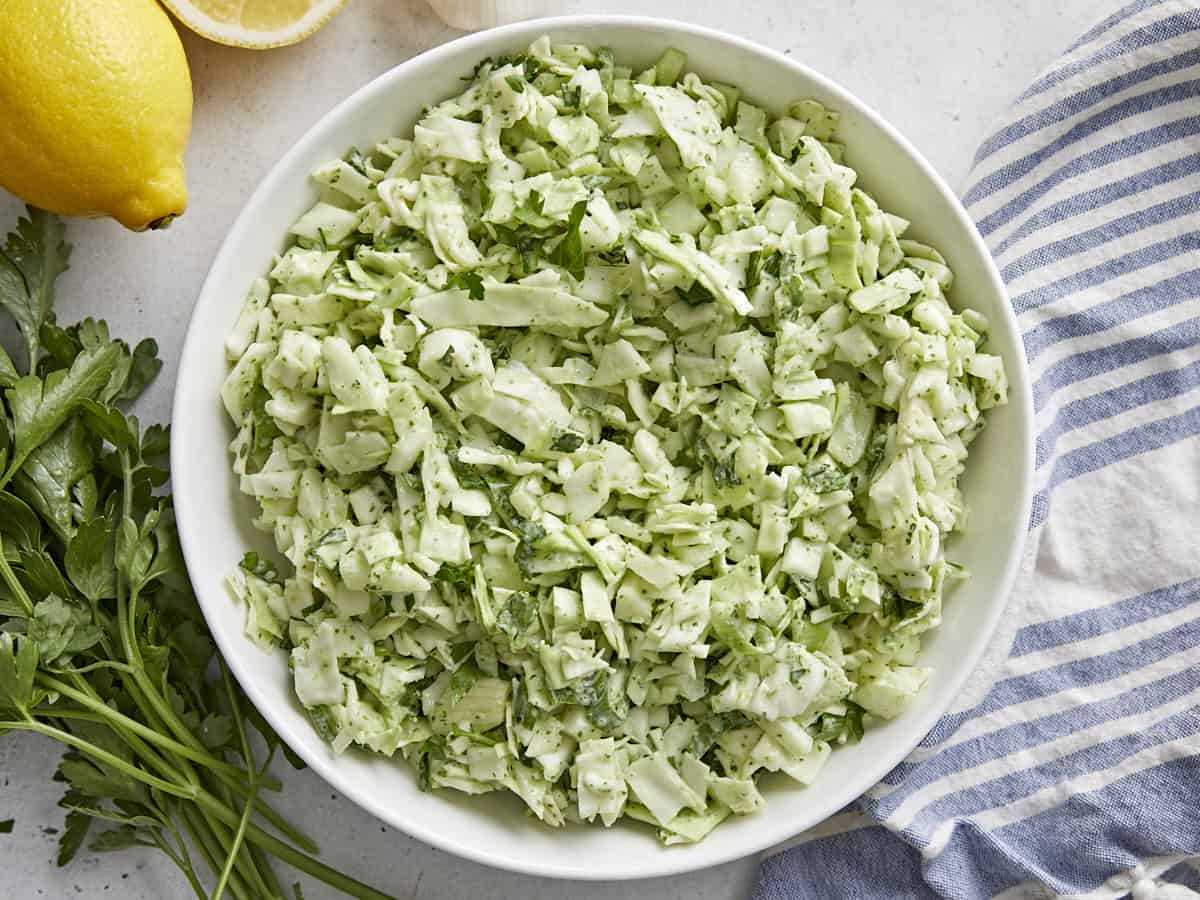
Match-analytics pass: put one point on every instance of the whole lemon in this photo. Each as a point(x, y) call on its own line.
point(95, 108)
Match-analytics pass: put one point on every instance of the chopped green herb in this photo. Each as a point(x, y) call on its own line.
point(695, 294)
point(723, 472)
point(825, 477)
point(571, 96)
point(260, 568)
point(567, 441)
point(458, 575)
point(471, 282)
point(569, 252)
point(517, 617)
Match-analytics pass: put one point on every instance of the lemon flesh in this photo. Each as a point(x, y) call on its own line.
point(256, 24)
point(96, 101)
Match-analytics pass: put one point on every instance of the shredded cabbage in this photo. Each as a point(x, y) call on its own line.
point(613, 435)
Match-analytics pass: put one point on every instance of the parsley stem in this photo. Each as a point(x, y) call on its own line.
point(14, 585)
point(92, 667)
point(105, 713)
point(236, 709)
point(168, 768)
point(259, 774)
point(183, 853)
point(143, 689)
point(282, 825)
point(291, 855)
point(239, 777)
point(264, 809)
point(181, 862)
point(234, 850)
point(157, 712)
point(242, 864)
point(247, 867)
point(175, 768)
point(204, 837)
point(264, 866)
point(248, 755)
point(103, 756)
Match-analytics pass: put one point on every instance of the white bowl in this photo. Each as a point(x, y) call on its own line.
point(214, 519)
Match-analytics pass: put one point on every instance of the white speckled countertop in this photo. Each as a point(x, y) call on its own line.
point(940, 70)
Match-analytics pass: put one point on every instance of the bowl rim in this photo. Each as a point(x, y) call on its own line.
point(1020, 396)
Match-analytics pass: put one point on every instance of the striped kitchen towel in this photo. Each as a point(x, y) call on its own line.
point(1071, 764)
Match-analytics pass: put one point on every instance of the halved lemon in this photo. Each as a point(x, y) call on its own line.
point(256, 24)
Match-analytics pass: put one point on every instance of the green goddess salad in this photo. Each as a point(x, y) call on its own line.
point(612, 435)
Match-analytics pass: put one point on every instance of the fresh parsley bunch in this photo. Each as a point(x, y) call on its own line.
point(102, 645)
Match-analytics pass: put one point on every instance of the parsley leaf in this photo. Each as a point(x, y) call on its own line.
point(602, 695)
point(875, 451)
point(430, 754)
point(39, 407)
point(569, 252)
point(357, 161)
point(34, 255)
point(460, 576)
point(572, 97)
point(260, 568)
point(723, 471)
point(614, 256)
point(18, 666)
point(695, 294)
point(529, 66)
point(895, 607)
point(19, 523)
point(791, 278)
point(471, 282)
point(468, 476)
point(843, 729)
point(567, 441)
point(604, 56)
point(332, 536)
point(77, 826)
point(517, 618)
point(762, 262)
point(61, 628)
point(57, 476)
point(825, 477)
point(8, 371)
